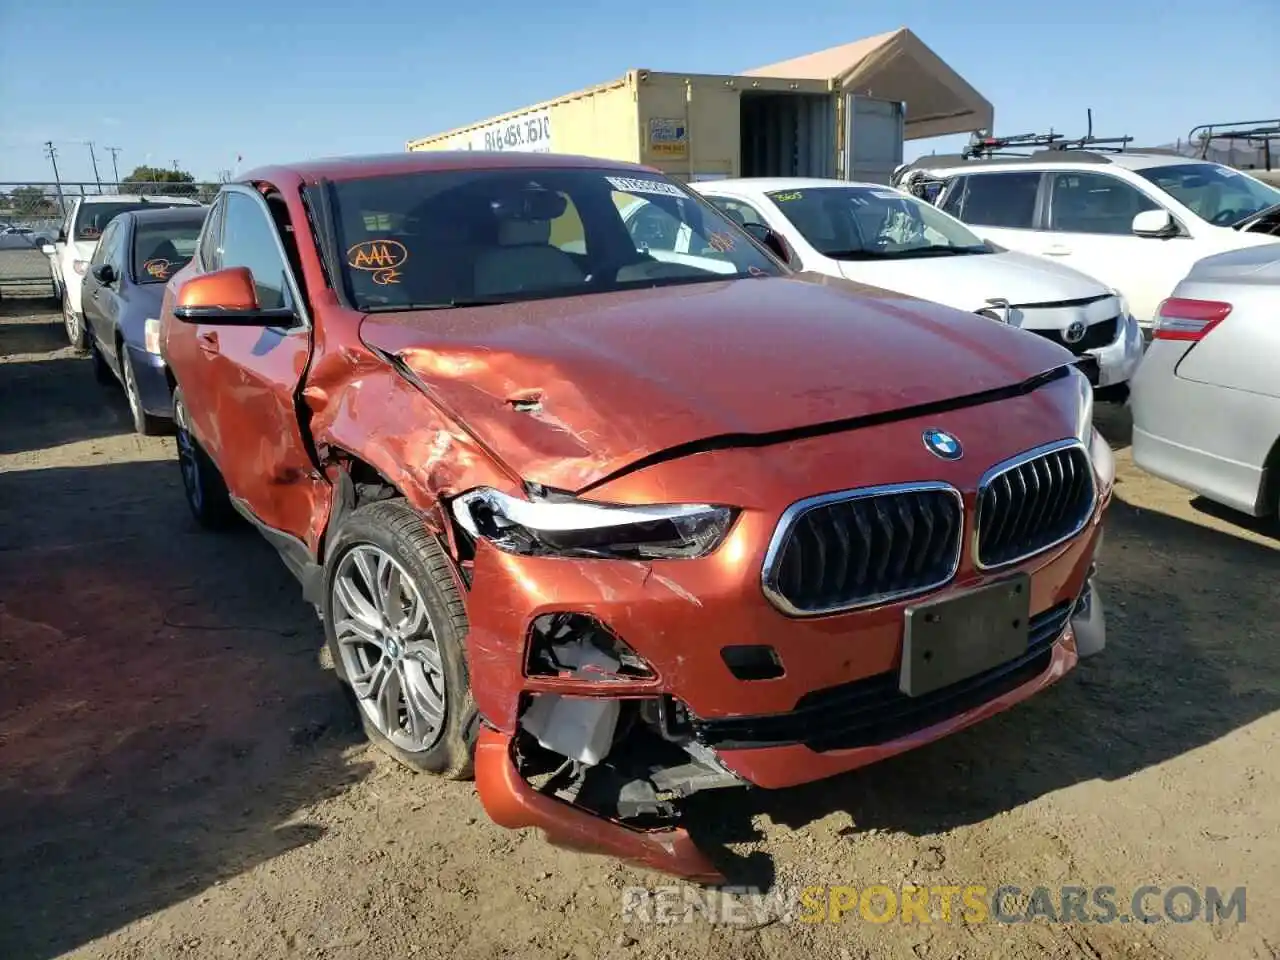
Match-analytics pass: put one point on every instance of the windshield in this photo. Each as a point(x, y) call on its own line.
point(866, 223)
point(92, 218)
point(1213, 192)
point(161, 249)
point(468, 237)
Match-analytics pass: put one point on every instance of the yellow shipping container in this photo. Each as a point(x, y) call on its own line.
point(703, 126)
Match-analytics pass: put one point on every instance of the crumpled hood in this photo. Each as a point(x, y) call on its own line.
point(567, 391)
point(968, 282)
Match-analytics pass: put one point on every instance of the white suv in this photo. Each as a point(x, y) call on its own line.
point(1136, 221)
point(77, 239)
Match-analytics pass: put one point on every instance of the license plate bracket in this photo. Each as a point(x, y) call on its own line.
point(948, 640)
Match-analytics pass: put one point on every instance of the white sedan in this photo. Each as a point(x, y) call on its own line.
point(887, 238)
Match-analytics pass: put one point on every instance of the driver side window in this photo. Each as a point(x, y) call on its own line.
point(249, 240)
point(1095, 203)
point(211, 237)
point(103, 250)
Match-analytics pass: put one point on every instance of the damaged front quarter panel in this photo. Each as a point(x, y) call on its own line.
point(622, 806)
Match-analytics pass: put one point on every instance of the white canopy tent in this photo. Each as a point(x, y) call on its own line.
point(896, 66)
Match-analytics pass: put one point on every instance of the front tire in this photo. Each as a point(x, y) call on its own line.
point(206, 493)
point(143, 423)
point(74, 326)
point(395, 626)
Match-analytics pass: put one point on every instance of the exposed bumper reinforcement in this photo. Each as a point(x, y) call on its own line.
point(511, 802)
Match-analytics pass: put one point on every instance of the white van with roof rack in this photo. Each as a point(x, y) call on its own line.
point(1137, 220)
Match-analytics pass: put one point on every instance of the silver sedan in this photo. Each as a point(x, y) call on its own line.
point(1206, 397)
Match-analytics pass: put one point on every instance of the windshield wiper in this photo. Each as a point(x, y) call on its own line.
point(938, 250)
point(445, 305)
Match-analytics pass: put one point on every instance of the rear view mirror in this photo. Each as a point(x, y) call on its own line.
point(770, 239)
point(226, 297)
point(1154, 223)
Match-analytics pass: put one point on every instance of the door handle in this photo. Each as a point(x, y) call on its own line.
point(1057, 250)
point(208, 341)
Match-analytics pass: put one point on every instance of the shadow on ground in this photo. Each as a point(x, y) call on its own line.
point(72, 405)
point(165, 723)
point(1191, 657)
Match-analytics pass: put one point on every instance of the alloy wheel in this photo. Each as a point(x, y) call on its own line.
point(72, 323)
point(388, 646)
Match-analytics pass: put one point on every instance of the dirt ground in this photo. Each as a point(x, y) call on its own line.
point(179, 777)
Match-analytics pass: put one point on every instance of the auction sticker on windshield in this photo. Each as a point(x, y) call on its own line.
point(637, 185)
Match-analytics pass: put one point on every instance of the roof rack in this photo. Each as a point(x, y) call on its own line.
point(1255, 132)
point(985, 147)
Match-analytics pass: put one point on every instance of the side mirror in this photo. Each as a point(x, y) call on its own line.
point(1154, 223)
point(48, 250)
point(770, 239)
point(104, 273)
point(227, 297)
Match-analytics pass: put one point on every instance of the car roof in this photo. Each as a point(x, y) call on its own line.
point(426, 161)
point(135, 198)
point(179, 214)
point(1127, 160)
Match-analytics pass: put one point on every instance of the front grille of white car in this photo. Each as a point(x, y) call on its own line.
point(1096, 335)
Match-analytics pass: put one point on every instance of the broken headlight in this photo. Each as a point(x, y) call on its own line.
point(567, 527)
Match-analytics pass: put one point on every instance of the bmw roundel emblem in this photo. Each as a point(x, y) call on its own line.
point(942, 444)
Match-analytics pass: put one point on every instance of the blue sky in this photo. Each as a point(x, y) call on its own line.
point(286, 79)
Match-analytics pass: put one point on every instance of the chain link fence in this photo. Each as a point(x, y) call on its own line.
point(32, 214)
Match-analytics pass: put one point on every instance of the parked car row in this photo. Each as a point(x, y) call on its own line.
point(609, 490)
point(77, 240)
point(1137, 221)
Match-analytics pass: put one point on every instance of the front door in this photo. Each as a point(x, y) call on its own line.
point(244, 380)
point(1090, 228)
point(93, 304)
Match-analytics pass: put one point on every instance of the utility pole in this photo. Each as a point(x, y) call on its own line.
point(94, 157)
point(115, 171)
point(51, 152)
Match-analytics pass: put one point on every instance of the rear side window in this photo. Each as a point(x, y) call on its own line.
point(737, 210)
point(1095, 203)
point(996, 200)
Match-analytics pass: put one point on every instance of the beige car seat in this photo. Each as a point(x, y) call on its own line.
point(523, 261)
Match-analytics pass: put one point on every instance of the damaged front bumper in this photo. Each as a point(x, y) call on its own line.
point(642, 683)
